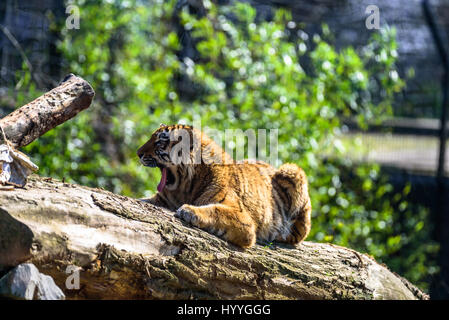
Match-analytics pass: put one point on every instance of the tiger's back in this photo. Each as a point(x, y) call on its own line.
point(274, 199)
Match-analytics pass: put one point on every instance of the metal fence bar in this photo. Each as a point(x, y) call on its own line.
point(440, 287)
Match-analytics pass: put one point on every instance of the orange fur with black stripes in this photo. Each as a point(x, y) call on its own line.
point(239, 201)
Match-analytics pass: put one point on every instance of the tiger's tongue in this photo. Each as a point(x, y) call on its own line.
point(163, 181)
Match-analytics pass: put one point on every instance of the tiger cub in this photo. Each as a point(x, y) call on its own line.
point(239, 201)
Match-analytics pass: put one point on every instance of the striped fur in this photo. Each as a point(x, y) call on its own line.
point(240, 202)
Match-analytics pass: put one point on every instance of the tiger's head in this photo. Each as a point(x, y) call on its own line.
point(165, 151)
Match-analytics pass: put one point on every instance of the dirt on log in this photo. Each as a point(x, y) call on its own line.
point(129, 249)
point(29, 122)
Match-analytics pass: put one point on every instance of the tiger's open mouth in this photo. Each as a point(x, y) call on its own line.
point(167, 177)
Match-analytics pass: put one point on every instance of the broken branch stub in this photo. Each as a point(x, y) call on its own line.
point(29, 122)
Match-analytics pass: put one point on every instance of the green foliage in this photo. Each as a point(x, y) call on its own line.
point(249, 74)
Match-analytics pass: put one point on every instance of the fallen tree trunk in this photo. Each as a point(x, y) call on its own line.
point(128, 249)
point(29, 122)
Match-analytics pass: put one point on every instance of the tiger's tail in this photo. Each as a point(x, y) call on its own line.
point(293, 181)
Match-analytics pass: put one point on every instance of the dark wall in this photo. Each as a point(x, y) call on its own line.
point(346, 18)
point(29, 23)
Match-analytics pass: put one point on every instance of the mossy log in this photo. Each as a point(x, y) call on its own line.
point(129, 249)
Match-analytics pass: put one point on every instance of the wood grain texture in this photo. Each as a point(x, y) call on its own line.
point(128, 249)
point(29, 122)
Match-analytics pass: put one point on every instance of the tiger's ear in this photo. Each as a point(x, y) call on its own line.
point(162, 125)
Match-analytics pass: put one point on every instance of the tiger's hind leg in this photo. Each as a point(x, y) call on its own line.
point(222, 220)
point(293, 181)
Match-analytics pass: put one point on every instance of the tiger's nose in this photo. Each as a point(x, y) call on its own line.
point(139, 153)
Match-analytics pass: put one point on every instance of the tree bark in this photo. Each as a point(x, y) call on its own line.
point(129, 249)
point(29, 122)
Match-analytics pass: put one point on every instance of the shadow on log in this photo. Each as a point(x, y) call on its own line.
point(128, 249)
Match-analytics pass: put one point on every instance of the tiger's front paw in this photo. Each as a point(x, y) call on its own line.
point(187, 214)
